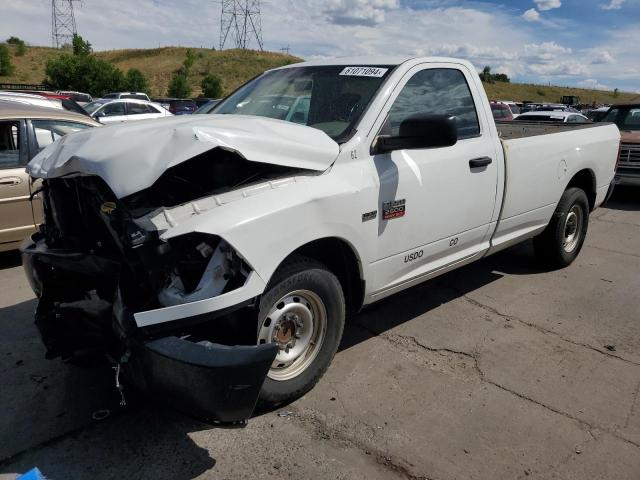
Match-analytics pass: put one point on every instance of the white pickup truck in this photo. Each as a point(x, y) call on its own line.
point(214, 257)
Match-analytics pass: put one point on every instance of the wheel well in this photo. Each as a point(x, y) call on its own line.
point(585, 180)
point(339, 257)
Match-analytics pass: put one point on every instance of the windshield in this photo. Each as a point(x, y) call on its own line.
point(90, 108)
point(331, 99)
point(625, 118)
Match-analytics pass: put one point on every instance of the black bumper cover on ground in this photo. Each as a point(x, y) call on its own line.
point(211, 381)
point(214, 382)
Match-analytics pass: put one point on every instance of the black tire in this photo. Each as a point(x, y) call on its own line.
point(550, 246)
point(303, 273)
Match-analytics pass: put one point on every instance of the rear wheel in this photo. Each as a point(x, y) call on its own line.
point(303, 313)
point(560, 243)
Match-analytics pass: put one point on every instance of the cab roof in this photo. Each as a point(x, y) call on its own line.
point(375, 61)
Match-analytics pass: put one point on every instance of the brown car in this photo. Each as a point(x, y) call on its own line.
point(24, 131)
point(627, 117)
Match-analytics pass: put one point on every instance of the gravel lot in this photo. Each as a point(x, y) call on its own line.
point(495, 371)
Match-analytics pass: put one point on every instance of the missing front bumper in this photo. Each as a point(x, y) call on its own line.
point(214, 382)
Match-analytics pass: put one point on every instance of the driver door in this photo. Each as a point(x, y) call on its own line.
point(435, 207)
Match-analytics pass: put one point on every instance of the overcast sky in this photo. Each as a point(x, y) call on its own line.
point(592, 43)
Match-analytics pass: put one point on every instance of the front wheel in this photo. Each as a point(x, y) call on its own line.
point(559, 244)
point(303, 312)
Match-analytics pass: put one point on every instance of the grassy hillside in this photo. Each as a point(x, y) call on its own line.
point(235, 67)
point(551, 94)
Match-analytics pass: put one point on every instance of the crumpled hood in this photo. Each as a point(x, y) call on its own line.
point(130, 157)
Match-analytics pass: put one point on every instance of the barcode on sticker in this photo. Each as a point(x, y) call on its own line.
point(364, 71)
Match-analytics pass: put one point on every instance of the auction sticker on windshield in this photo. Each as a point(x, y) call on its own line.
point(364, 71)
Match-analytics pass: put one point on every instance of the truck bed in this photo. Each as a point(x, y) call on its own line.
point(515, 129)
point(540, 160)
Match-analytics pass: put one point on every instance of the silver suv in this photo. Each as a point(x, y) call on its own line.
point(134, 95)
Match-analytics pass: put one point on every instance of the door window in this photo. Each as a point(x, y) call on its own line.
point(48, 131)
point(437, 91)
point(137, 108)
point(114, 109)
point(9, 144)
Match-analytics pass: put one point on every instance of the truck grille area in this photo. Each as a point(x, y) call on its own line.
point(630, 155)
point(82, 215)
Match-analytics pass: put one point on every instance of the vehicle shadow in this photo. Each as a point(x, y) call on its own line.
point(144, 442)
point(625, 198)
point(9, 259)
point(49, 417)
point(421, 299)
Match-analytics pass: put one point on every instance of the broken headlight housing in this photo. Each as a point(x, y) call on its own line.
point(203, 266)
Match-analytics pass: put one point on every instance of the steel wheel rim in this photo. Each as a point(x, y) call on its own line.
point(572, 229)
point(297, 322)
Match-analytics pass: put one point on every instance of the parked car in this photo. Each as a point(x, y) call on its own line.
point(200, 101)
point(207, 107)
point(597, 114)
point(501, 112)
point(513, 106)
point(183, 106)
point(81, 98)
point(47, 101)
point(555, 108)
point(553, 116)
point(24, 131)
point(132, 95)
point(226, 249)
point(627, 118)
point(114, 111)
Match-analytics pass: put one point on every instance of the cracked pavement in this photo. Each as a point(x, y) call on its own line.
point(498, 370)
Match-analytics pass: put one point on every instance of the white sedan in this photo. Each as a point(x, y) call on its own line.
point(549, 116)
point(124, 110)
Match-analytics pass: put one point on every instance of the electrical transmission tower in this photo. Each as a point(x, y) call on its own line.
point(63, 22)
point(240, 19)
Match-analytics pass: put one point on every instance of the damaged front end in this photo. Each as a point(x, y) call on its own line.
point(177, 315)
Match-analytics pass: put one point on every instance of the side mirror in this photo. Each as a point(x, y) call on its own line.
point(421, 131)
point(99, 114)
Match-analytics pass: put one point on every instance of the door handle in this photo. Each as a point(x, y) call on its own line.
point(480, 162)
point(10, 181)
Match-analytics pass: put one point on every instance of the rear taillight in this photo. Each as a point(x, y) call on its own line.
point(172, 109)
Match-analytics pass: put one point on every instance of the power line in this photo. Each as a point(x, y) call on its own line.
point(241, 20)
point(63, 23)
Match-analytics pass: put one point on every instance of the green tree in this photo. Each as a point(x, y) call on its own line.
point(6, 68)
point(21, 47)
point(84, 73)
point(135, 81)
point(190, 58)
point(81, 47)
point(485, 76)
point(179, 86)
point(211, 86)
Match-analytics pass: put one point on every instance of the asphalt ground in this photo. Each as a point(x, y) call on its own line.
point(498, 370)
